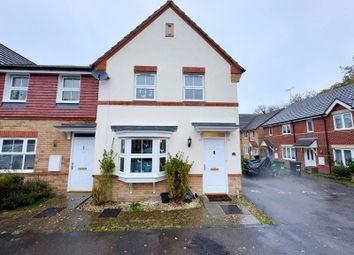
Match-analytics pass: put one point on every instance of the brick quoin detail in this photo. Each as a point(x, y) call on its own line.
point(18, 133)
point(200, 70)
point(146, 69)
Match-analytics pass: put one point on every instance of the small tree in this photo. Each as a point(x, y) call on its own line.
point(102, 190)
point(177, 172)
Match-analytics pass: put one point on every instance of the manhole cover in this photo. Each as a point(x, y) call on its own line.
point(107, 213)
point(231, 209)
point(219, 197)
point(49, 212)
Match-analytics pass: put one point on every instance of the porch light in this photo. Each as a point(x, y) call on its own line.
point(189, 142)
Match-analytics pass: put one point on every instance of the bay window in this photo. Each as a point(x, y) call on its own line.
point(17, 154)
point(141, 157)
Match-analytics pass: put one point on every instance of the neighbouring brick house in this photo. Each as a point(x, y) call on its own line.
point(252, 134)
point(317, 132)
point(37, 105)
point(167, 87)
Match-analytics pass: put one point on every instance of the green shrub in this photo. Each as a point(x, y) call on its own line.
point(102, 189)
point(351, 166)
point(136, 207)
point(243, 163)
point(177, 173)
point(15, 192)
point(341, 171)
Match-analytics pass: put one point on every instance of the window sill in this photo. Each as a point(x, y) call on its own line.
point(67, 106)
point(141, 179)
point(16, 171)
point(343, 129)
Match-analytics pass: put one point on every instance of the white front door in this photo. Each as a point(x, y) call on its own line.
point(81, 168)
point(310, 157)
point(214, 176)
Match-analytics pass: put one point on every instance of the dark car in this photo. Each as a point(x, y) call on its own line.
point(259, 166)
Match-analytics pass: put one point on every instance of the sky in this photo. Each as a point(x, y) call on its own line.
point(282, 44)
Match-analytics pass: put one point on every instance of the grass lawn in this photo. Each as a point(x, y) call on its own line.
point(331, 177)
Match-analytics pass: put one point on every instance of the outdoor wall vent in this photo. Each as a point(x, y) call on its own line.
point(169, 30)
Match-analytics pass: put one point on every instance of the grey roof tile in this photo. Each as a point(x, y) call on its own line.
point(10, 57)
point(259, 120)
point(313, 107)
point(245, 119)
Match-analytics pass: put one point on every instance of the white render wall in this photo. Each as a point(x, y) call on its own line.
point(152, 48)
point(169, 54)
point(180, 116)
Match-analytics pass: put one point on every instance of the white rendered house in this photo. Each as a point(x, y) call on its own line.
point(168, 88)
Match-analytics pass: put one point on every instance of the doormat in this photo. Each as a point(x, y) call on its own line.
point(231, 209)
point(49, 212)
point(110, 213)
point(219, 197)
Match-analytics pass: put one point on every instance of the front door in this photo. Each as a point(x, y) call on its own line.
point(310, 157)
point(214, 176)
point(81, 168)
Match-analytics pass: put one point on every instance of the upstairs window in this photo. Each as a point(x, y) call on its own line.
point(270, 130)
point(309, 125)
point(18, 88)
point(343, 121)
point(69, 90)
point(286, 129)
point(145, 86)
point(193, 87)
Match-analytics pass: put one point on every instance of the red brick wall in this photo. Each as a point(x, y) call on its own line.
point(41, 99)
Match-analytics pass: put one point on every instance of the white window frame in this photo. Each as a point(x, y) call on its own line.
point(61, 89)
point(270, 131)
point(246, 149)
point(10, 88)
point(343, 155)
point(246, 134)
point(23, 153)
point(193, 87)
point(312, 125)
point(155, 155)
point(136, 86)
point(288, 152)
point(342, 121)
point(286, 129)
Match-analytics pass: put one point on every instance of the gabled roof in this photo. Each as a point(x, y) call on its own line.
point(10, 57)
point(259, 120)
point(245, 119)
point(313, 107)
point(100, 63)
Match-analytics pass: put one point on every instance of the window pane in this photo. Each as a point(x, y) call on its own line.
point(18, 95)
point(309, 125)
point(144, 93)
point(147, 165)
point(163, 146)
point(150, 80)
point(135, 165)
point(31, 145)
point(338, 121)
point(339, 159)
point(347, 156)
point(122, 146)
point(121, 166)
point(71, 83)
point(5, 162)
point(7, 146)
point(198, 81)
point(194, 94)
point(145, 79)
point(16, 162)
point(188, 80)
point(18, 145)
point(75, 96)
point(71, 96)
point(136, 146)
point(162, 164)
point(347, 120)
point(20, 82)
point(29, 162)
point(147, 146)
point(140, 79)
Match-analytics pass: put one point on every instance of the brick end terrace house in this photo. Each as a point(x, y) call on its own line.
point(318, 132)
point(252, 134)
point(41, 109)
point(164, 88)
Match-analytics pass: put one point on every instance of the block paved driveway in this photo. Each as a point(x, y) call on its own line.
point(312, 216)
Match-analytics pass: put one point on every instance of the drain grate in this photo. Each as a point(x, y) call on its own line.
point(110, 213)
point(218, 197)
point(49, 212)
point(231, 209)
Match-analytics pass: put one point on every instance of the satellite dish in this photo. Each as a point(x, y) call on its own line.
point(100, 75)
